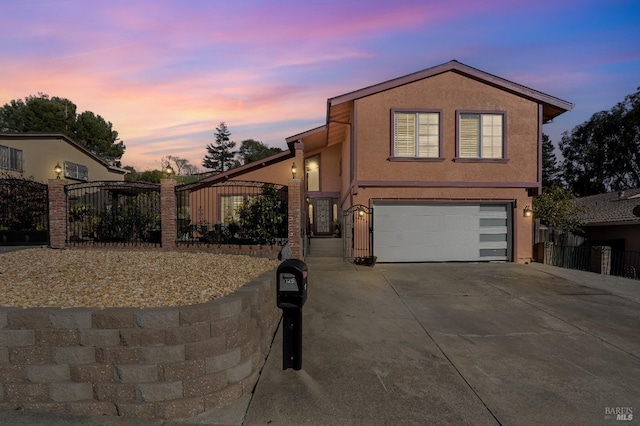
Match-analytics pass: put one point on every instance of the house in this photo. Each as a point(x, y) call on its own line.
point(37, 155)
point(613, 219)
point(439, 165)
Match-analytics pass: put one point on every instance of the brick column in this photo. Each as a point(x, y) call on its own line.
point(295, 218)
point(296, 201)
point(168, 213)
point(57, 214)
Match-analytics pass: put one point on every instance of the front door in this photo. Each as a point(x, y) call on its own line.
point(323, 216)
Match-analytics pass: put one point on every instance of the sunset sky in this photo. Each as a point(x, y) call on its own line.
point(166, 73)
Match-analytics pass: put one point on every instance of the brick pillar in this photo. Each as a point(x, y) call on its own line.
point(57, 214)
point(296, 201)
point(168, 213)
point(295, 218)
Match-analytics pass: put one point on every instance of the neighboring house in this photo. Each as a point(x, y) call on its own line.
point(37, 155)
point(448, 159)
point(613, 219)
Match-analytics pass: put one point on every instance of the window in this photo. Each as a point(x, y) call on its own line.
point(10, 158)
point(416, 134)
point(480, 135)
point(312, 170)
point(76, 171)
point(229, 207)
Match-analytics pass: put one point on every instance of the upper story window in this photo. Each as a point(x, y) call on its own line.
point(312, 170)
point(416, 134)
point(10, 158)
point(76, 171)
point(481, 135)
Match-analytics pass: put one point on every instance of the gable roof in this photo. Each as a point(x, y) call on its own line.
point(60, 136)
point(238, 171)
point(611, 208)
point(552, 106)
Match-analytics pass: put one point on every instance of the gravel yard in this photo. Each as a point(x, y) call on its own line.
point(112, 278)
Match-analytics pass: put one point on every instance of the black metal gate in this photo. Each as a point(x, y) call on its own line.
point(358, 234)
point(24, 212)
point(114, 213)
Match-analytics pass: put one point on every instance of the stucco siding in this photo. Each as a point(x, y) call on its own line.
point(448, 93)
point(279, 173)
point(41, 155)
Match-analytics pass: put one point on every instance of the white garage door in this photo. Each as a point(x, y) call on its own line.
point(434, 232)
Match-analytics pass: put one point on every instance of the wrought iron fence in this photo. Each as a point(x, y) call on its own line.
point(231, 212)
point(615, 262)
point(358, 234)
point(24, 212)
point(625, 264)
point(113, 213)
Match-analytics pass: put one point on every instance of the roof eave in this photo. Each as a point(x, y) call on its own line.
point(34, 135)
point(558, 106)
point(300, 136)
point(267, 161)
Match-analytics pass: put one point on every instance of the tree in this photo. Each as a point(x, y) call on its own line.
point(264, 217)
point(556, 208)
point(152, 176)
point(550, 168)
point(58, 115)
point(220, 156)
point(603, 154)
point(252, 150)
point(98, 136)
point(181, 166)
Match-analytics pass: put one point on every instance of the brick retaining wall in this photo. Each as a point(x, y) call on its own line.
point(154, 363)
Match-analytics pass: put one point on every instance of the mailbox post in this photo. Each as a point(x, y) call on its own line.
point(292, 293)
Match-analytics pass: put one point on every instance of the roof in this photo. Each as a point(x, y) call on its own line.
point(612, 208)
point(34, 135)
point(238, 171)
point(552, 106)
point(340, 108)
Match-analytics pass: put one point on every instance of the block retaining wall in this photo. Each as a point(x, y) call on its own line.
point(151, 363)
point(266, 251)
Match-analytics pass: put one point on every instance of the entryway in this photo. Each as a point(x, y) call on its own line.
point(325, 247)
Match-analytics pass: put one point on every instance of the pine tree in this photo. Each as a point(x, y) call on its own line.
point(550, 168)
point(220, 156)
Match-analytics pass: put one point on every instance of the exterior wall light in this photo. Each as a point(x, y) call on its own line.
point(294, 169)
point(527, 212)
point(58, 170)
point(361, 213)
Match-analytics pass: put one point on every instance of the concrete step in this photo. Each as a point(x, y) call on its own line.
point(326, 247)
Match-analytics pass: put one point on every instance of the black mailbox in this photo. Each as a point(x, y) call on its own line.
point(291, 283)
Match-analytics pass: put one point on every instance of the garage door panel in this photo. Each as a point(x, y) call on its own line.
point(406, 232)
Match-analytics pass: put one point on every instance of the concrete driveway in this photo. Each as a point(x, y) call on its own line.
point(423, 344)
point(480, 344)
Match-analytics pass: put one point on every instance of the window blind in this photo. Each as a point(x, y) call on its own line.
point(229, 207)
point(481, 135)
point(469, 135)
point(416, 134)
point(10, 158)
point(404, 135)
